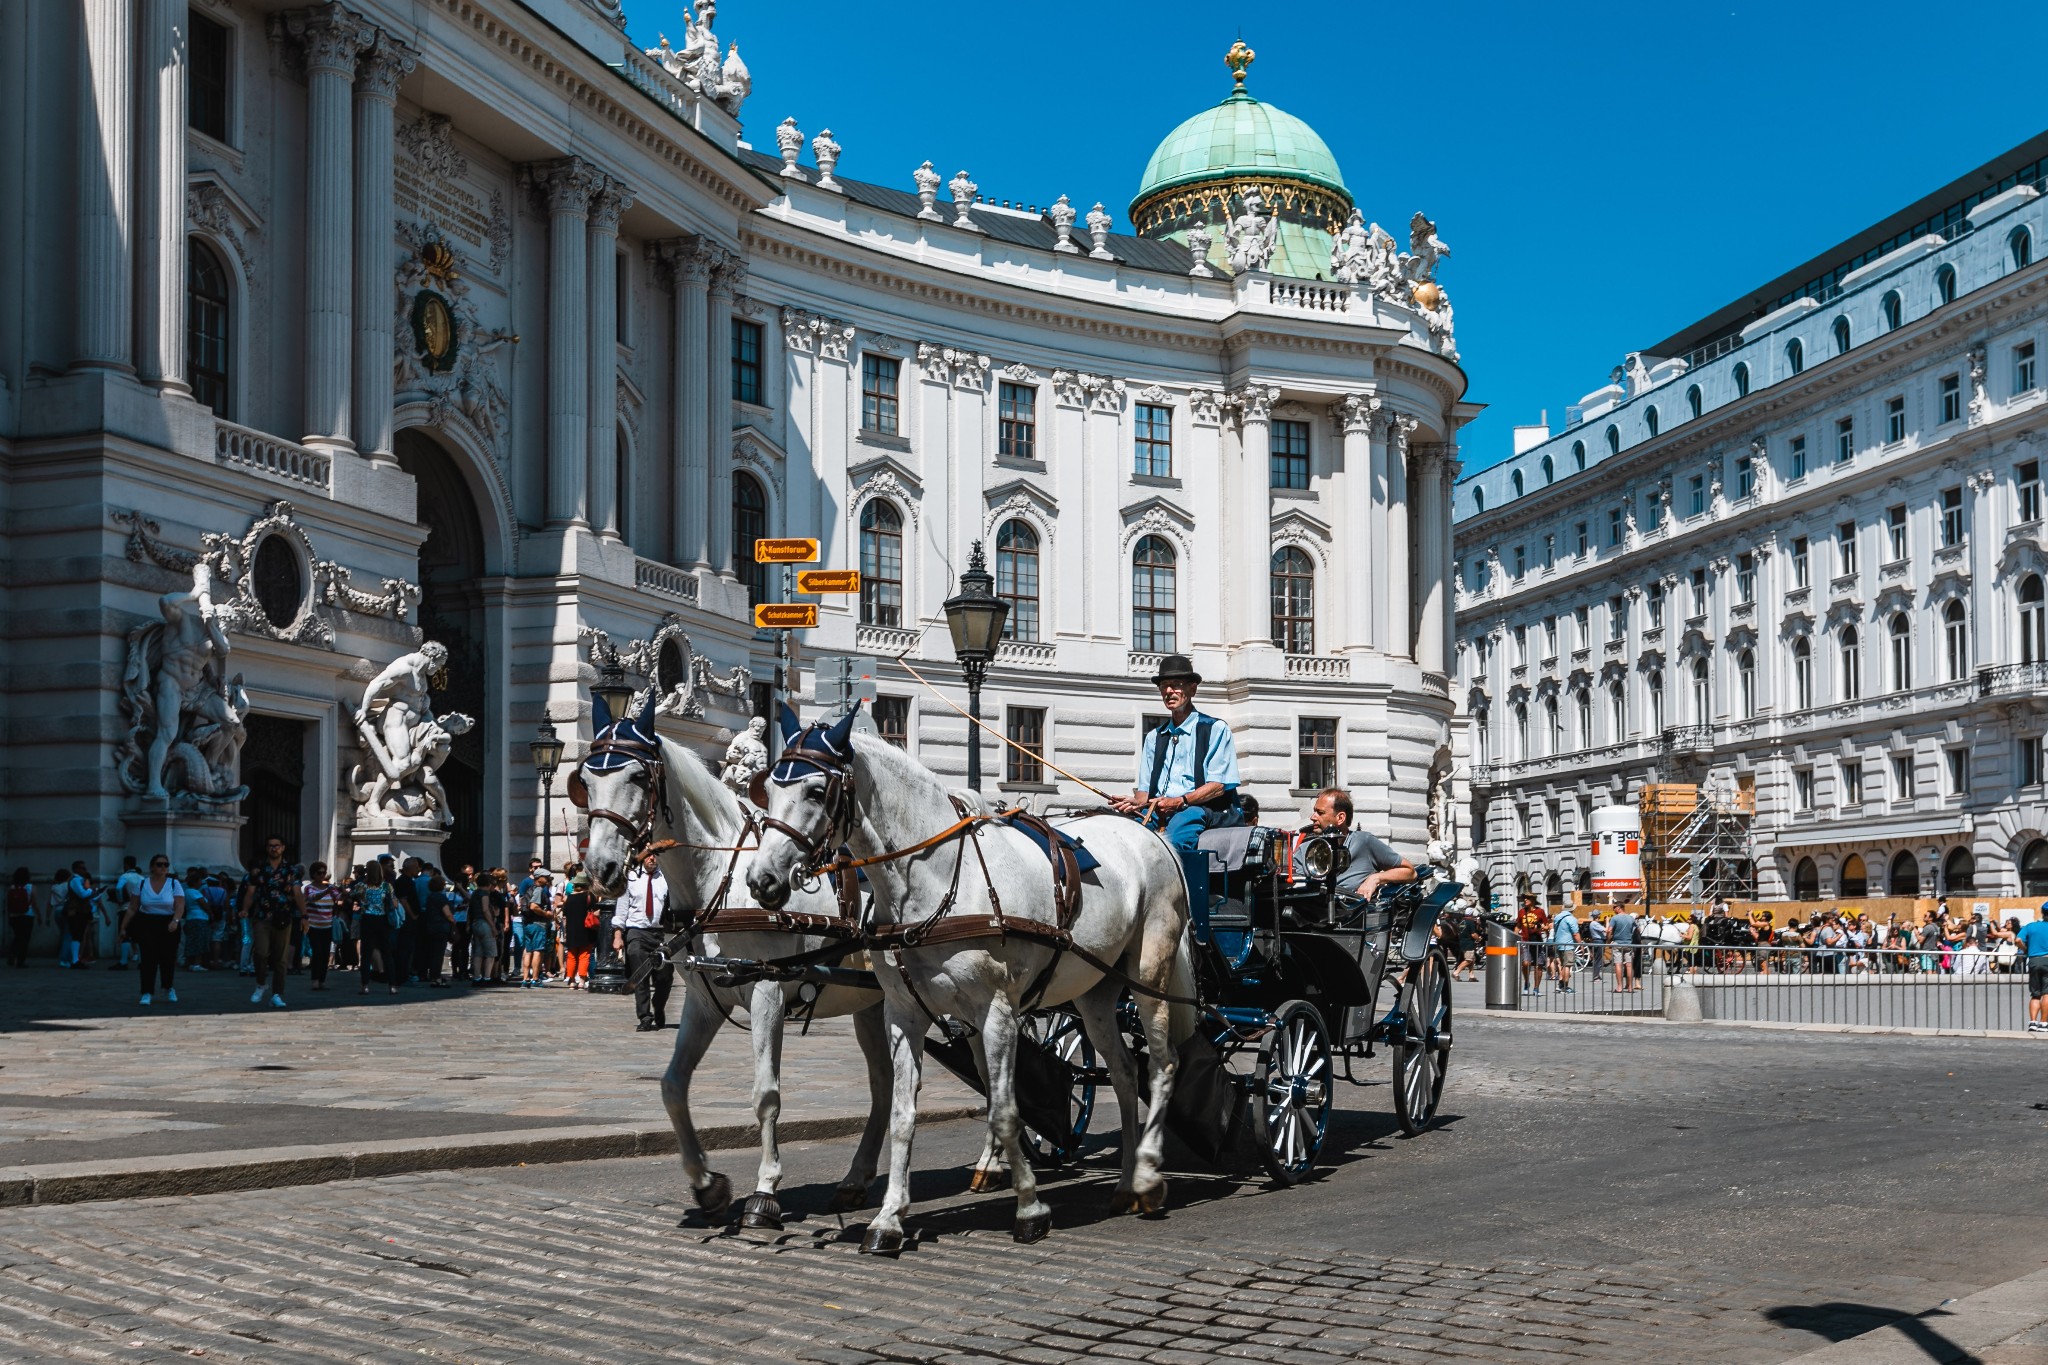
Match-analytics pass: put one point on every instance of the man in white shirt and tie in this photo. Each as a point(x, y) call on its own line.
point(636, 931)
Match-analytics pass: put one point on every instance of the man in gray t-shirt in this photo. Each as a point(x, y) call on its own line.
point(1374, 863)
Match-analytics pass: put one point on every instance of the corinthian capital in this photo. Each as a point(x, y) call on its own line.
point(382, 68)
point(607, 208)
point(1357, 413)
point(564, 186)
point(1254, 402)
point(331, 37)
point(728, 273)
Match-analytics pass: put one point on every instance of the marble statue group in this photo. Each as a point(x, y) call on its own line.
point(184, 712)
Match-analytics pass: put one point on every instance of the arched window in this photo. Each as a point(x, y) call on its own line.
point(2034, 869)
point(1650, 418)
point(1806, 881)
point(1701, 694)
point(1578, 454)
point(1945, 284)
point(1553, 726)
point(1614, 440)
point(1955, 625)
point(1479, 499)
point(2033, 641)
point(1521, 730)
point(749, 524)
point(1841, 330)
point(1294, 601)
point(1742, 379)
point(1549, 470)
point(2021, 245)
point(1894, 310)
point(1745, 681)
point(1904, 876)
point(1656, 691)
point(1959, 873)
point(1795, 355)
point(1802, 673)
point(881, 564)
point(1694, 403)
point(1901, 631)
point(1017, 578)
point(1582, 706)
point(1617, 712)
point(1852, 665)
point(1855, 881)
point(1515, 478)
point(207, 323)
point(1553, 891)
point(1152, 597)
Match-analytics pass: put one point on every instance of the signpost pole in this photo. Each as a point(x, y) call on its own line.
point(785, 693)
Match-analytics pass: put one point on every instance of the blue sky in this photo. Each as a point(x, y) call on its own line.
point(1604, 175)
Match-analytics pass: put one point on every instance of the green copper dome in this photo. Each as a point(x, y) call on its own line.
point(1241, 137)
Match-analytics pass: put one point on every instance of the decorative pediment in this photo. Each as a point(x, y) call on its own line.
point(1157, 516)
point(1741, 637)
point(753, 449)
point(1795, 625)
point(884, 476)
point(1649, 661)
point(1694, 643)
point(1022, 499)
point(1155, 396)
point(1895, 598)
point(1949, 584)
point(1842, 613)
point(1476, 701)
point(1578, 680)
point(1297, 528)
point(1019, 374)
point(2024, 552)
point(1613, 671)
point(881, 343)
point(212, 207)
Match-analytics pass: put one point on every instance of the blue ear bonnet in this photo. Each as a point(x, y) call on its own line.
point(791, 765)
point(626, 733)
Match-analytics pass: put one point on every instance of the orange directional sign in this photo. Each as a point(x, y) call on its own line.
point(785, 615)
point(828, 580)
point(798, 551)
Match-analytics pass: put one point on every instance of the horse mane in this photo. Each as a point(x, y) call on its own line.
point(709, 801)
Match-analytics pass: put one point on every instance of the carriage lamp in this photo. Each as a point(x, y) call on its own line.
point(612, 689)
point(975, 616)
point(1324, 857)
point(546, 748)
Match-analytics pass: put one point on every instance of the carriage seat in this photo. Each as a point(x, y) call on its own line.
point(1228, 844)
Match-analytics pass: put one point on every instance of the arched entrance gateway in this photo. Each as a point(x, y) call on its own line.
point(452, 611)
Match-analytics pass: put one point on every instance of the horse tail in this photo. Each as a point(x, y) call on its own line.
point(1181, 1019)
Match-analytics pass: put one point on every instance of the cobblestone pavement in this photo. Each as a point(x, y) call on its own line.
point(1622, 1192)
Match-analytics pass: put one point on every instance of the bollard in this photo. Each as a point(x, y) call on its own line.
point(1503, 967)
point(1681, 1000)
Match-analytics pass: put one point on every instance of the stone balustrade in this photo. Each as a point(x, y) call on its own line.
point(273, 457)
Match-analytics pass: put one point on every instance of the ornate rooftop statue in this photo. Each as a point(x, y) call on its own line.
point(1252, 236)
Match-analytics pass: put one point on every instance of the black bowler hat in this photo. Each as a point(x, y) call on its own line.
point(1176, 668)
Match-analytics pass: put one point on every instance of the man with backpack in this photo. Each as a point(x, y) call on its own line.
point(1189, 768)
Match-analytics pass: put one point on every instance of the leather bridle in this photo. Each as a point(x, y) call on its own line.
point(639, 833)
point(820, 849)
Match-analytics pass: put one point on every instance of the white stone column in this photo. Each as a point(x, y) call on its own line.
point(106, 197)
point(1355, 415)
point(568, 187)
point(160, 196)
point(1400, 637)
point(691, 268)
point(1446, 621)
point(726, 280)
point(605, 211)
point(377, 81)
point(332, 38)
point(1430, 537)
point(1254, 515)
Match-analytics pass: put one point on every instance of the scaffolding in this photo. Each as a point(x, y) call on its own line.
point(1697, 844)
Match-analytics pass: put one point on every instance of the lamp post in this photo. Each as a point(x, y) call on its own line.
point(612, 688)
point(546, 748)
point(975, 616)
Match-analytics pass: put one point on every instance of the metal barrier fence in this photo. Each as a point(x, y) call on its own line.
point(1868, 986)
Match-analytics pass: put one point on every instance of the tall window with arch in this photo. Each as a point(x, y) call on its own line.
point(1894, 310)
point(1806, 880)
point(1742, 379)
point(1553, 726)
point(1578, 455)
point(1841, 331)
point(881, 564)
point(1582, 708)
point(1959, 873)
point(1153, 614)
point(1549, 469)
point(1017, 578)
point(1651, 419)
point(1614, 440)
point(1515, 479)
point(1900, 648)
point(1702, 694)
point(749, 524)
point(1795, 355)
point(1294, 600)
point(1695, 402)
point(2020, 246)
point(1850, 673)
point(1617, 712)
point(1745, 682)
point(1945, 284)
point(1955, 629)
point(1521, 730)
point(1656, 694)
point(2033, 622)
point(1802, 673)
point(208, 358)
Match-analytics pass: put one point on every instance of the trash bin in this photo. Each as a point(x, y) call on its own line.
point(1503, 967)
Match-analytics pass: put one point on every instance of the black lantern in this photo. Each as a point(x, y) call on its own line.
point(612, 689)
point(546, 748)
point(975, 616)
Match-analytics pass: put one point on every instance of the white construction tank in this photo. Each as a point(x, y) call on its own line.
point(1617, 851)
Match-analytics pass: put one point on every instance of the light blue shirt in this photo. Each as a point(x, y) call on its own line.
point(2034, 938)
point(1177, 777)
point(1564, 929)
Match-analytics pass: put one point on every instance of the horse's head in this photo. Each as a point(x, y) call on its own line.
point(808, 795)
point(620, 784)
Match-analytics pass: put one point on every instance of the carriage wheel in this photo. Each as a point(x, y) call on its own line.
point(1059, 1032)
point(1294, 1091)
point(1422, 1052)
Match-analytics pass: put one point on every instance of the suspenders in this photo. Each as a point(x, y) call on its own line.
point(1202, 728)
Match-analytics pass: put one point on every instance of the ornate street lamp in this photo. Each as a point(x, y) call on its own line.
point(613, 688)
point(975, 616)
point(546, 748)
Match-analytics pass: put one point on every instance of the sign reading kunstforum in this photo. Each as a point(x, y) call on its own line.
point(797, 550)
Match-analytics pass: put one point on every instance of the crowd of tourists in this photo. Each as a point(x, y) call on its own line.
point(392, 922)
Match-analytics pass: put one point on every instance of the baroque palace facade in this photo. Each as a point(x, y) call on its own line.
point(338, 333)
point(1795, 551)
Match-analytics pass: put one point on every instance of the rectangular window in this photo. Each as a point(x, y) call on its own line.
point(1802, 789)
point(1895, 533)
point(1802, 572)
point(1549, 552)
point(1582, 539)
point(2023, 367)
point(2030, 761)
point(1699, 592)
point(1318, 753)
point(1155, 441)
point(1289, 458)
point(1614, 526)
point(1852, 782)
point(212, 51)
point(1521, 646)
point(1845, 440)
point(1522, 819)
point(892, 719)
point(1745, 578)
point(878, 382)
point(746, 361)
point(1894, 420)
point(1951, 398)
point(1845, 546)
point(1951, 516)
point(1798, 457)
point(1902, 777)
point(1550, 637)
point(1696, 495)
point(1617, 617)
point(1521, 563)
point(1656, 604)
point(1745, 477)
point(1655, 515)
point(1581, 627)
point(2026, 478)
point(1025, 728)
point(1958, 772)
point(1017, 412)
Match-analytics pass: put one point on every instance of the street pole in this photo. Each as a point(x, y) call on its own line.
point(976, 674)
point(547, 822)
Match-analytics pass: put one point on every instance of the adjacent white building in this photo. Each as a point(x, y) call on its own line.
point(468, 320)
point(1797, 547)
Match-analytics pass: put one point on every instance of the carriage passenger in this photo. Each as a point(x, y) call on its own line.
point(1373, 862)
point(1189, 770)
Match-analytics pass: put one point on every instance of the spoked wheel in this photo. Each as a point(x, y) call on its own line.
point(1422, 1046)
point(1059, 1033)
point(1293, 1091)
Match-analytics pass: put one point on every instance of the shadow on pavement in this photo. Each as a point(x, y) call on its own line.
point(1841, 1321)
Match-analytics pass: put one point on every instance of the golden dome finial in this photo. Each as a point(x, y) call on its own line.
point(1239, 59)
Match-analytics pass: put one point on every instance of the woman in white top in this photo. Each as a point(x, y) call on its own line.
point(152, 918)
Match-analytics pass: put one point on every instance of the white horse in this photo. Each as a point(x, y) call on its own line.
point(704, 819)
point(832, 787)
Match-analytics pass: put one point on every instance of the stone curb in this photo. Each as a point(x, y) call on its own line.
point(1880, 1030)
point(1956, 1331)
point(155, 1177)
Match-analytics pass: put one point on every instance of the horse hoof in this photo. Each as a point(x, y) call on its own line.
point(1152, 1200)
point(761, 1211)
point(1032, 1229)
point(987, 1180)
point(1123, 1201)
point(847, 1198)
point(882, 1242)
point(715, 1199)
